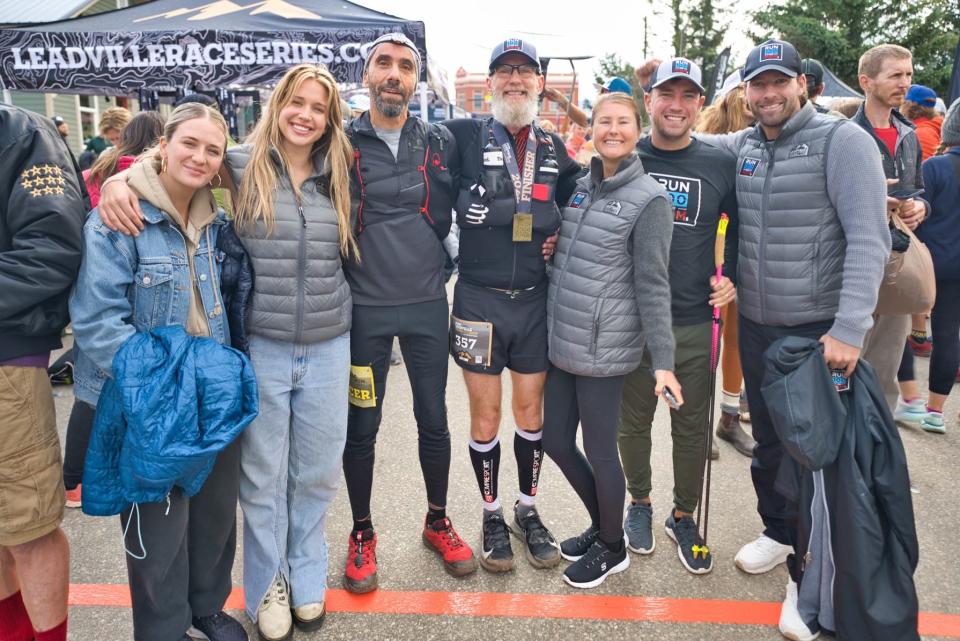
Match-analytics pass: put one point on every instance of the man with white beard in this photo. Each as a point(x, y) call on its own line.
point(514, 178)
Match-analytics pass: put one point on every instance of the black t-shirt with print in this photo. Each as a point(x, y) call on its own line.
point(700, 182)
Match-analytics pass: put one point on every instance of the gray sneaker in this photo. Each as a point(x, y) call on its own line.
point(638, 527)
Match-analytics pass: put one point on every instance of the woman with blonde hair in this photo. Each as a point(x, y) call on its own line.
point(292, 213)
point(180, 550)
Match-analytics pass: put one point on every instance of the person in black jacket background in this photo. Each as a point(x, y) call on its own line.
point(43, 204)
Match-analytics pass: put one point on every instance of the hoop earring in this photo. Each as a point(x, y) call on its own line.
point(219, 182)
point(163, 164)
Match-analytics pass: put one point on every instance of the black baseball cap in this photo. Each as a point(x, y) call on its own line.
point(772, 55)
point(813, 70)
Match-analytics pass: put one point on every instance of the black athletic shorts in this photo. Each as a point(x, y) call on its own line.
point(518, 340)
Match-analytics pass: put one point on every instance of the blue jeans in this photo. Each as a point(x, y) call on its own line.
point(290, 465)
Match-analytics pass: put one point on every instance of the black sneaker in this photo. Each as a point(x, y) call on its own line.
point(220, 627)
point(594, 566)
point(638, 526)
point(574, 548)
point(496, 555)
point(541, 548)
point(690, 548)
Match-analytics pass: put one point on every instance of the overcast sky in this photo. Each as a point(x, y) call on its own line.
point(462, 33)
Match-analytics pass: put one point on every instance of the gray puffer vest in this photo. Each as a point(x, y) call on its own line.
point(300, 294)
point(592, 317)
point(792, 246)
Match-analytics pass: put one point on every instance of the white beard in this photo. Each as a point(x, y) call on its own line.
point(511, 115)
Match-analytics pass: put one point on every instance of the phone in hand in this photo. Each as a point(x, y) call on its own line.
point(905, 194)
point(670, 398)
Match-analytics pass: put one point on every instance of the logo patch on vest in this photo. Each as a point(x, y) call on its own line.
point(684, 195)
point(748, 166)
point(577, 201)
point(773, 51)
point(613, 207)
point(800, 150)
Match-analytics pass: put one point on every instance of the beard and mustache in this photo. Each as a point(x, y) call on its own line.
point(514, 114)
point(386, 106)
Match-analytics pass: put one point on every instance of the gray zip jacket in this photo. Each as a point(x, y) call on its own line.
point(813, 228)
point(300, 294)
point(609, 291)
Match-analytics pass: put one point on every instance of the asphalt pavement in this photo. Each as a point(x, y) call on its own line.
point(655, 599)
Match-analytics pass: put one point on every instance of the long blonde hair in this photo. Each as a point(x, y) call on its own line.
point(729, 114)
point(180, 115)
point(255, 201)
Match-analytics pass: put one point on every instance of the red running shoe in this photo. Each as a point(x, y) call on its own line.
point(73, 497)
point(361, 573)
point(457, 556)
point(920, 349)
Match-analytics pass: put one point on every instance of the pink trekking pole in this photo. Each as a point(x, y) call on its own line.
point(719, 248)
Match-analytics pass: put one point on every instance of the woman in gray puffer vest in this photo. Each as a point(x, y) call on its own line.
point(609, 299)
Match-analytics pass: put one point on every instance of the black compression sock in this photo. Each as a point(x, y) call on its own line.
point(434, 515)
point(528, 449)
point(486, 466)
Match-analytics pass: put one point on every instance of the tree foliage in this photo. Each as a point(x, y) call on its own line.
point(837, 32)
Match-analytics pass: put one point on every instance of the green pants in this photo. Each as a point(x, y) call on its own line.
point(688, 425)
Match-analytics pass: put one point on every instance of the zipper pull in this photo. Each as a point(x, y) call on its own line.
point(303, 219)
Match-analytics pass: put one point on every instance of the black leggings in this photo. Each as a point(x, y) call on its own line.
point(569, 400)
point(945, 331)
point(79, 428)
point(422, 330)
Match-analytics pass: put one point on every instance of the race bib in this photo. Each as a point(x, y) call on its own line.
point(471, 341)
point(362, 392)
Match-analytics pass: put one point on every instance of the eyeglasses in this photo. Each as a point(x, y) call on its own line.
point(524, 70)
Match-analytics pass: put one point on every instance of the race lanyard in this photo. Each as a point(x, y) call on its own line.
point(522, 184)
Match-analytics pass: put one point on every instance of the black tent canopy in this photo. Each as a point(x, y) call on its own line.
point(195, 45)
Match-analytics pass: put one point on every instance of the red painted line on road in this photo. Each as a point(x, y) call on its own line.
point(530, 605)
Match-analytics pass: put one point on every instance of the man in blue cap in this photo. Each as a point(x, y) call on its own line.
point(514, 179)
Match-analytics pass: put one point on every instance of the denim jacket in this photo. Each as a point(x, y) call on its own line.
point(135, 284)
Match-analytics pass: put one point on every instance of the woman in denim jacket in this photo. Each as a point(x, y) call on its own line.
point(180, 552)
point(291, 188)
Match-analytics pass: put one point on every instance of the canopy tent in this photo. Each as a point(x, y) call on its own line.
point(836, 88)
point(191, 45)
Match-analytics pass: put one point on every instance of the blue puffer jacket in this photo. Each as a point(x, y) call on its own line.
point(175, 401)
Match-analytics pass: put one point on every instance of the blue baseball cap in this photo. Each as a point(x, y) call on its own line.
point(922, 95)
point(517, 46)
point(615, 84)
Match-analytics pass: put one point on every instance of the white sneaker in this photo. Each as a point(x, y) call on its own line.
point(761, 555)
point(911, 413)
point(791, 625)
point(274, 621)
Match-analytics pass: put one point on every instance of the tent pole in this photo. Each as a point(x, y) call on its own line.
point(424, 105)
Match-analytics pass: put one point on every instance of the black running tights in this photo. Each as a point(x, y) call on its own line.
point(597, 478)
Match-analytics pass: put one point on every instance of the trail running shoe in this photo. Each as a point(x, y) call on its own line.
point(457, 556)
point(496, 555)
point(690, 547)
point(361, 573)
point(541, 549)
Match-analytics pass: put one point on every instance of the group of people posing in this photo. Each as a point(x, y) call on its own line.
point(595, 289)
